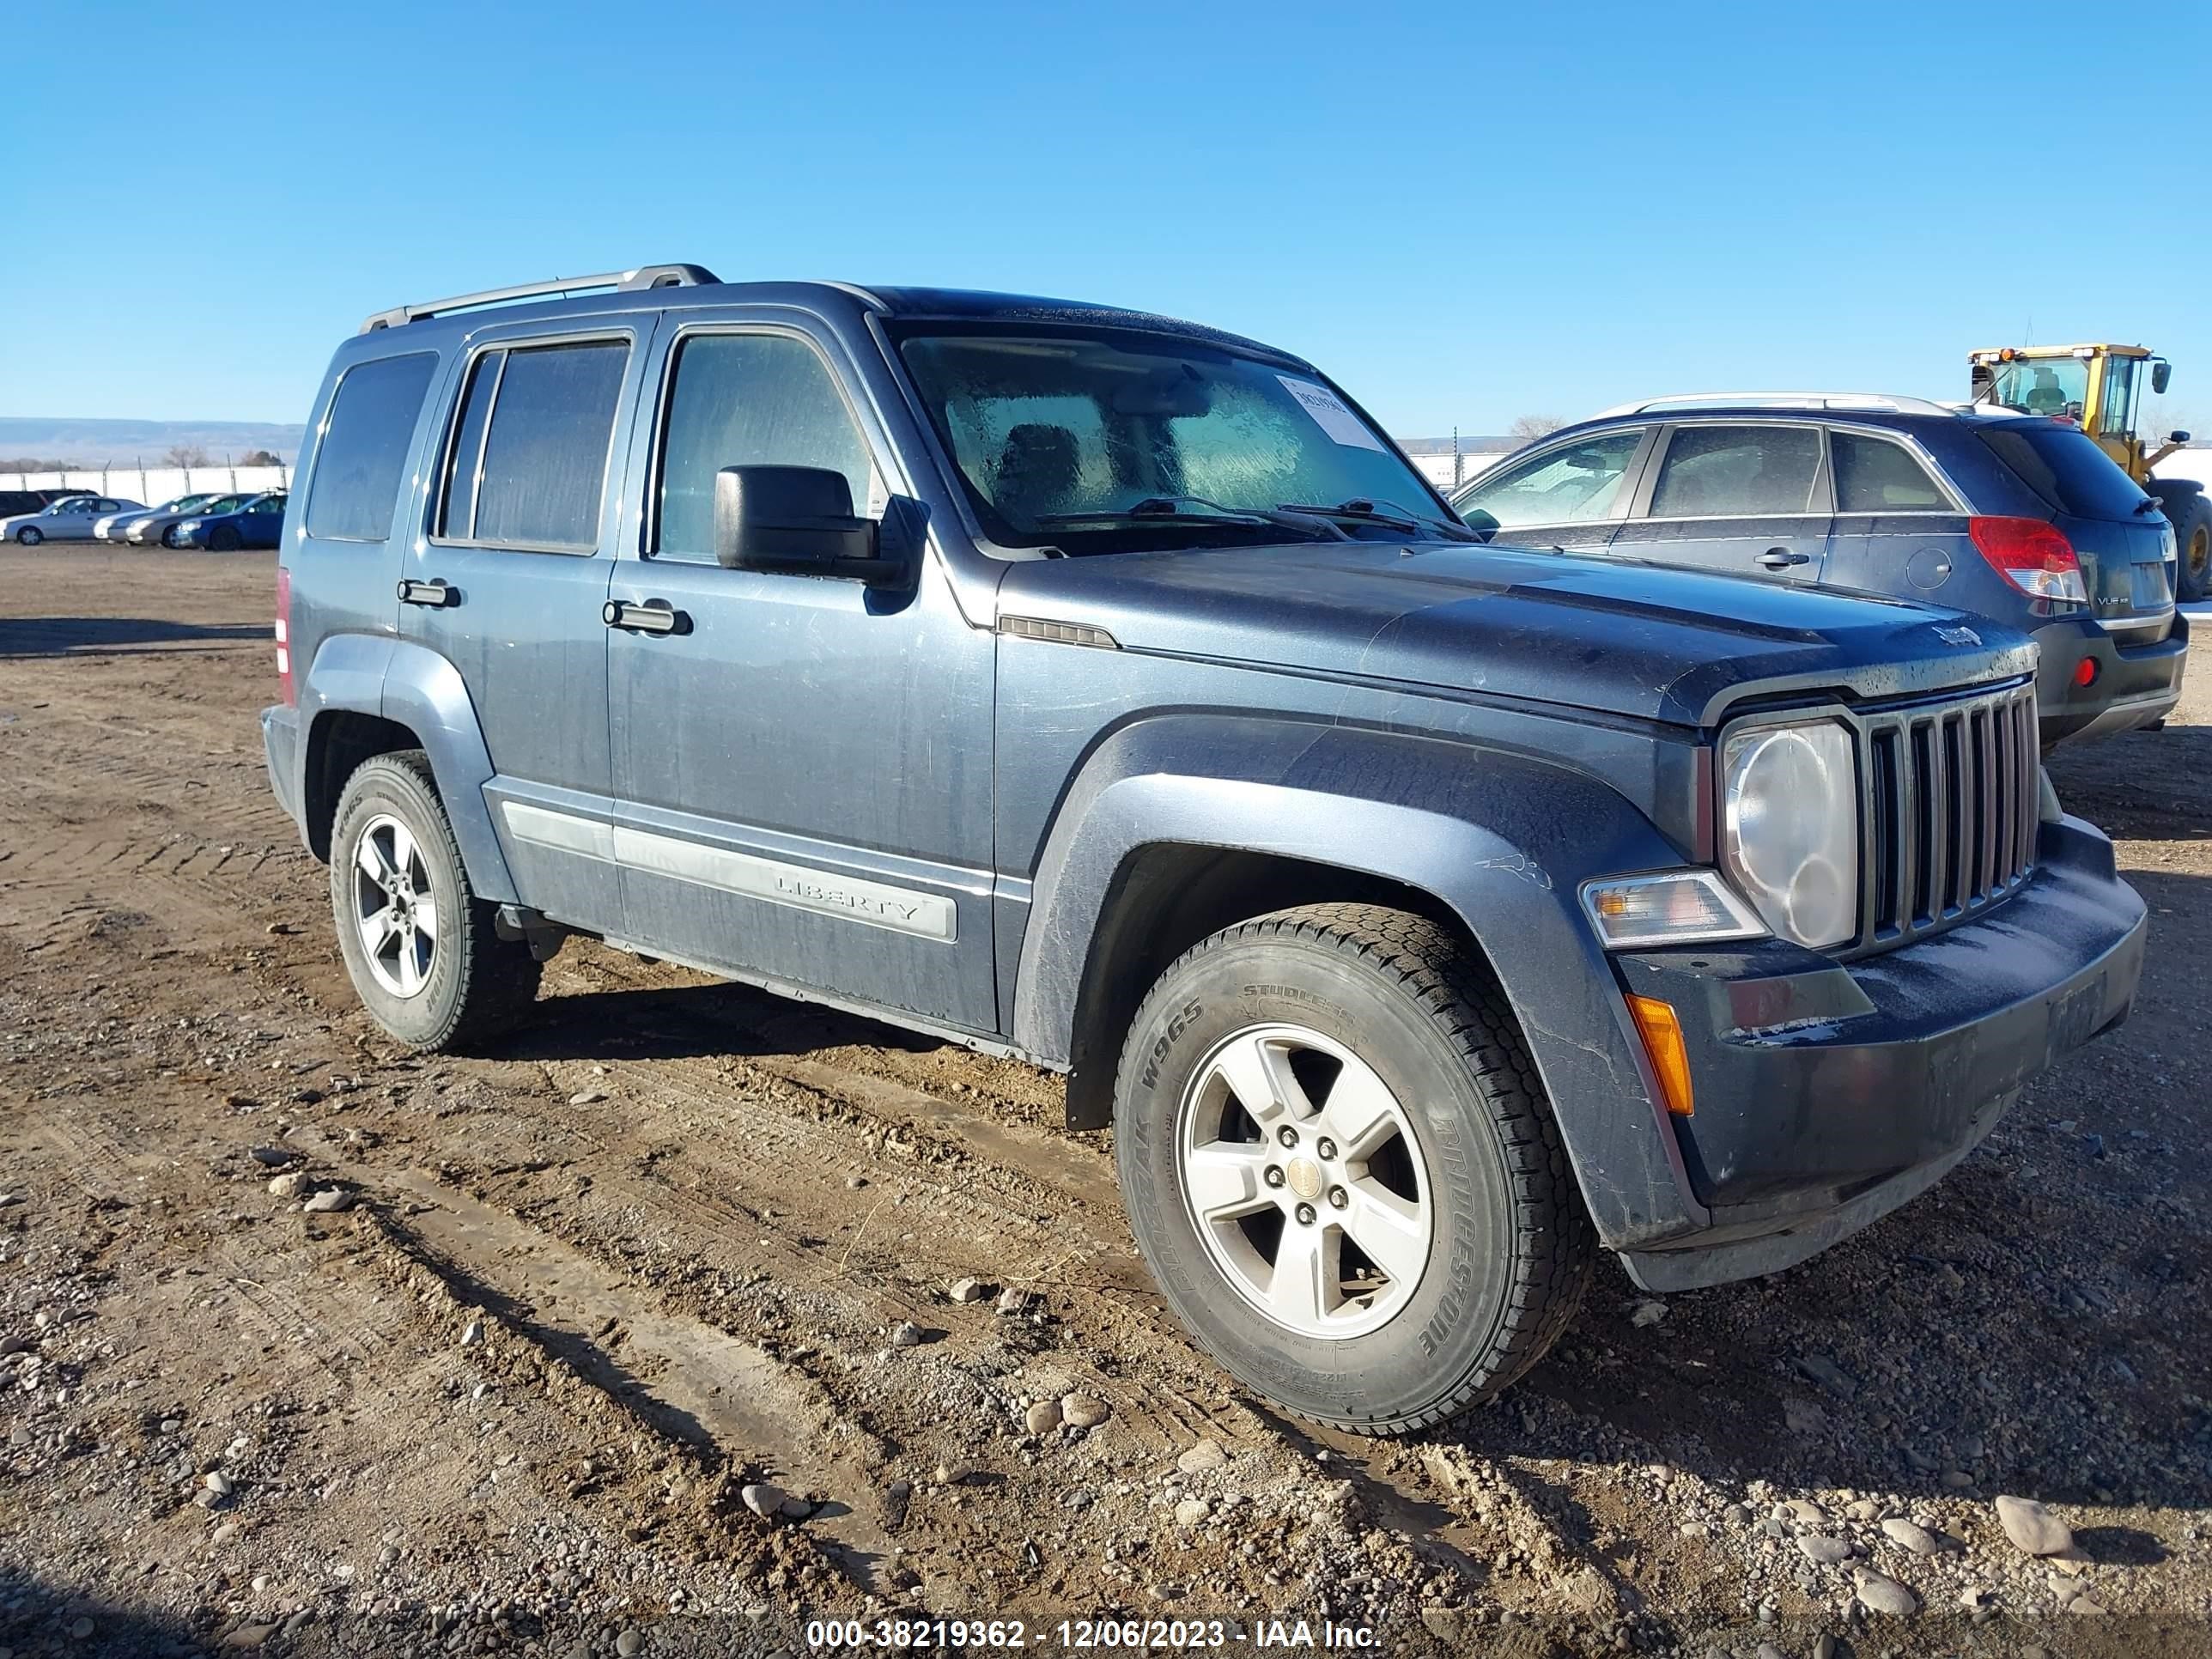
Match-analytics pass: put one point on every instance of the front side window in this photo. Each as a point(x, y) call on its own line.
point(750, 400)
point(529, 462)
point(1576, 484)
point(366, 435)
point(1108, 440)
point(1737, 471)
point(1876, 476)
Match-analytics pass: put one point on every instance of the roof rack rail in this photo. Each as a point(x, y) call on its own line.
point(1841, 400)
point(642, 277)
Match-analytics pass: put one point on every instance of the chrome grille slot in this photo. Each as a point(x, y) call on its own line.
point(1950, 798)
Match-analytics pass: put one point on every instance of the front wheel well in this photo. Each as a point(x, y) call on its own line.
point(1164, 898)
point(337, 743)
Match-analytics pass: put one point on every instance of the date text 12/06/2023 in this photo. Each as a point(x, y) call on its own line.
point(1086, 1635)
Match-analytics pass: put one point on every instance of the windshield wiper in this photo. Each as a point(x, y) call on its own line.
point(1176, 509)
point(1359, 510)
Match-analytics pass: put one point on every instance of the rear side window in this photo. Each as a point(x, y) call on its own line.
point(750, 400)
point(1876, 476)
point(2063, 464)
point(364, 449)
point(1737, 471)
point(529, 463)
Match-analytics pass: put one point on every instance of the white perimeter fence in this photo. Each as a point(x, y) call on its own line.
point(154, 485)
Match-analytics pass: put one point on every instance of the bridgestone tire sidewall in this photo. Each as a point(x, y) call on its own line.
point(1428, 1350)
point(428, 1016)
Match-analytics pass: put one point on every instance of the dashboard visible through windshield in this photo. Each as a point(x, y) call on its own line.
point(1107, 441)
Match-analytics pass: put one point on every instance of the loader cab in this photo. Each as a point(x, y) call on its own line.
point(2098, 388)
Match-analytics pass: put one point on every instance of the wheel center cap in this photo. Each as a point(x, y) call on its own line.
point(1304, 1176)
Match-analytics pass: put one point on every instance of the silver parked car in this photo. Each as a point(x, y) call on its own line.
point(69, 519)
point(115, 526)
point(147, 528)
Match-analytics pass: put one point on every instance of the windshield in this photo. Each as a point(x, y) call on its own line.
point(1106, 441)
point(2057, 385)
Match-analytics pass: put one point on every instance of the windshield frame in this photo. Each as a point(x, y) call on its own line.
point(977, 512)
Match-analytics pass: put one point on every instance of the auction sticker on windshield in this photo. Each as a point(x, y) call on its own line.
point(1329, 413)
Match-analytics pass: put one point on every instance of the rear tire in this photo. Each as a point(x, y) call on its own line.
point(2192, 536)
point(1481, 1251)
point(420, 947)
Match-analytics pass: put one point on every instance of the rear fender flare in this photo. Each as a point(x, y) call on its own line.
point(400, 681)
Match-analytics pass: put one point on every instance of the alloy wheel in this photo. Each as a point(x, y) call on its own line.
point(393, 908)
point(1306, 1181)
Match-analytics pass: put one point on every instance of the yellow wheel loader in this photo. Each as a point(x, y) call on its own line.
point(2098, 387)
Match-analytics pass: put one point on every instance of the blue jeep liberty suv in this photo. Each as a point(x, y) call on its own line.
point(1108, 691)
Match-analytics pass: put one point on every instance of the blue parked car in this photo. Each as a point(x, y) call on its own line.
point(2022, 519)
point(257, 522)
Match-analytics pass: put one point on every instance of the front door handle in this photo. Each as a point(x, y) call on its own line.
point(1781, 558)
point(434, 593)
point(652, 616)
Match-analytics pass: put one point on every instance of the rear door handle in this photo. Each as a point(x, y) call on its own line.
point(434, 593)
point(1781, 558)
point(652, 616)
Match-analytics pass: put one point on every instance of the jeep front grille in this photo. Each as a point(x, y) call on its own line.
point(1949, 803)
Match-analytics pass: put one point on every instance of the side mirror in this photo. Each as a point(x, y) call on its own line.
point(1484, 524)
point(2177, 437)
point(2160, 372)
point(797, 520)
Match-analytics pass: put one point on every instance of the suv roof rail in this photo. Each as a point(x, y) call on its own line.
point(1844, 400)
point(642, 277)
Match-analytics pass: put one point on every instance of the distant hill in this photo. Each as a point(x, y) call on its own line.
point(128, 443)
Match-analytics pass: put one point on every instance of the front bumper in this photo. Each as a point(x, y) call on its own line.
point(1829, 1093)
point(2138, 678)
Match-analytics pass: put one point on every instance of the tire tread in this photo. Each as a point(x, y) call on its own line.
point(1555, 1247)
point(498, 977)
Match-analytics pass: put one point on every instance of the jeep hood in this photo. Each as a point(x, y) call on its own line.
point(1643, 641)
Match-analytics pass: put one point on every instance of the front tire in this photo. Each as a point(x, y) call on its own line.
point(223, 538)
point(169, 537)
point(29, 536)
point(420, 947)
point(1340, 1166)
point(2192, 536)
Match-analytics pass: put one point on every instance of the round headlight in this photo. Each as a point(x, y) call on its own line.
point(1791, 845)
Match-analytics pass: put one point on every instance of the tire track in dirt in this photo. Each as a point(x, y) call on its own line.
point(697, 1384)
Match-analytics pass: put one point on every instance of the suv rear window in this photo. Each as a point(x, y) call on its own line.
point(1873, 474)
point(2063, 464)
point(533, 474)
point(371, 421)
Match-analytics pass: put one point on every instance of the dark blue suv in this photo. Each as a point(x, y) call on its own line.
point(1108, 692)
point(2022, 519)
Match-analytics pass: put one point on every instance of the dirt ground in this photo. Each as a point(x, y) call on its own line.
point(590, 1290)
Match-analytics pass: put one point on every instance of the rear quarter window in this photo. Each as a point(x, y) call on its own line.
point(364, 449)
point(2063, 466)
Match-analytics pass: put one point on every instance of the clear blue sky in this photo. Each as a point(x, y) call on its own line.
point(1464, 212)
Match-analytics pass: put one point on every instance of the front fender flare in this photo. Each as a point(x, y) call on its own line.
point(1503, 839)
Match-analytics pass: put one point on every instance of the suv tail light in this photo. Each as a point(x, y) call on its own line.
point(2033, 555)
point(284, 638)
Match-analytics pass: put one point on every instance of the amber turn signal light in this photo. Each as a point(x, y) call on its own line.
point(1670, 1060)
